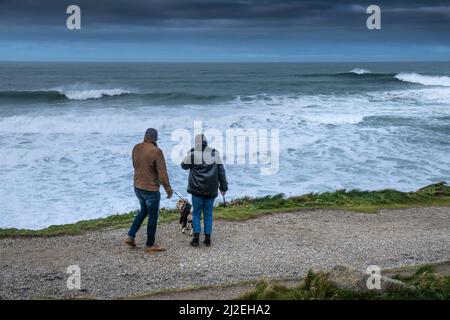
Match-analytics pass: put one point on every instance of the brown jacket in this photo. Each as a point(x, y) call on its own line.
point(150, 167)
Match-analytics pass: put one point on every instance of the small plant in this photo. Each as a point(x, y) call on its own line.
point(316, 286)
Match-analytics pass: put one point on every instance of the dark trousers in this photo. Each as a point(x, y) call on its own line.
point(149, 201)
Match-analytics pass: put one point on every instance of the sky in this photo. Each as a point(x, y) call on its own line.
point(224, 31)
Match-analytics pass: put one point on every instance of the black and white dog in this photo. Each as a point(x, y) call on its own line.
point(185, 209)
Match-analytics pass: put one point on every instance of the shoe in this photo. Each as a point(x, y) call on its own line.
point(195, 240)
point(207, 240)
point(130, 241)
point(154, 248)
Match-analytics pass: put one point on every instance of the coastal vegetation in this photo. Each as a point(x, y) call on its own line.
point(247, 208)
point(425, 283)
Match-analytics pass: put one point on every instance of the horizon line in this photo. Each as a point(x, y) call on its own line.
point(213, 61)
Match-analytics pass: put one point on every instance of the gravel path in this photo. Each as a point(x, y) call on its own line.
point(274, 246)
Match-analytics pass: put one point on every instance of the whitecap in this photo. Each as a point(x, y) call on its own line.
point(91, 94)
point(360, 71)
point(425, 80)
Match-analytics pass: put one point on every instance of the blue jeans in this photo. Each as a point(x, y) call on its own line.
point(206, 205)
point(149, 201)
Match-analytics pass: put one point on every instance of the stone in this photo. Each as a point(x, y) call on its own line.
point(345, 277)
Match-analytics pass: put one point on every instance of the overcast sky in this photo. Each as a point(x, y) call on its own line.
point(224, 30)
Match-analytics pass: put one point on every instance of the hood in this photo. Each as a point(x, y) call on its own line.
point(200, 142)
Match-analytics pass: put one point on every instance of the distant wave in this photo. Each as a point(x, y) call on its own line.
point(424, 79)
point(56, 94)
point(409, 77)
point(353, 72)
point(49, 95)
point(60, 94)
point(91, 94)
point(83, 93)
point(360, 71)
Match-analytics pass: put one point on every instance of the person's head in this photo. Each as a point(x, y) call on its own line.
point(151, 135)
point(200, 142)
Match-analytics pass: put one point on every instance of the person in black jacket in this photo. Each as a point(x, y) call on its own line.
point(206, 177)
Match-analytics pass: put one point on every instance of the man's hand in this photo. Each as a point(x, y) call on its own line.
point(169, 194)
point(223, 193)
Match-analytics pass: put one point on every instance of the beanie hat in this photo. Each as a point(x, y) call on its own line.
point(151, 135)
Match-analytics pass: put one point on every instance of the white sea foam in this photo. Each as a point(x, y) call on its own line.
point(75, 164)
point(414, 99)
point(91, 93)
point(360, 71)
point(424, 79)
point(335, 119)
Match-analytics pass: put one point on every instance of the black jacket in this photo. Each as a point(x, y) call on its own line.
point(207, 173)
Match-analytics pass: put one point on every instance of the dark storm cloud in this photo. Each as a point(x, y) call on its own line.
point(270, 28)
point(178, 12)
point(137, 11)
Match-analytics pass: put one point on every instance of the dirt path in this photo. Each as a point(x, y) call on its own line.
point(275, 246)
point(223, 292)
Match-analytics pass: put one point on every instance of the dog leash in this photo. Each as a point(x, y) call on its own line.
point(159, 181)
point(182, 199)
point(223, 197)
point(178, 195)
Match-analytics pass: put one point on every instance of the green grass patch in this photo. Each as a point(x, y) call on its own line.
point(354, 200)
point(114, 221)
point(316, 286)
point(247, 208)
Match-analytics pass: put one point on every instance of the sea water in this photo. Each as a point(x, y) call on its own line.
point(67, 129)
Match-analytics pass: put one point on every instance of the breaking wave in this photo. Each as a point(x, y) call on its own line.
point(425, 80)
point(91, 94)
point(360, 71)
point(61, 94)
point(54, 95)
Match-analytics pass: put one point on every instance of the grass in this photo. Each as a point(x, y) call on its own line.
point(316, 286)
point(114, 221)
point(246, 208)
point(355, 200)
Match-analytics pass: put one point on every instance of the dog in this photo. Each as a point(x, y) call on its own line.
point(185, 209)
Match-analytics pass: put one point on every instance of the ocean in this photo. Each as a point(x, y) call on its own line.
point(67, 129)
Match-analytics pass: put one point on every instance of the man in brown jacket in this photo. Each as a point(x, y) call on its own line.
point(149, 173)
